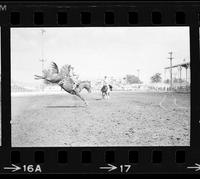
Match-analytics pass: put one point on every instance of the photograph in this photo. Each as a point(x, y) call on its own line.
point(100, 86)
point(0, 92)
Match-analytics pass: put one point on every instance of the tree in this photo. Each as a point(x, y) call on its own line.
point(132, 79)
point(156, 78)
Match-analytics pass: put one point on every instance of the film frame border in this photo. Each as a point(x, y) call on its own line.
point(77, 157)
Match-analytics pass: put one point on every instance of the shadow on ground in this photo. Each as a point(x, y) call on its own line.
point(65, 106)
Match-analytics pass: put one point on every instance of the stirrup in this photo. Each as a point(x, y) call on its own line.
point(75, 86)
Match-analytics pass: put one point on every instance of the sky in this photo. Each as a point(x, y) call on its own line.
point(97, 51)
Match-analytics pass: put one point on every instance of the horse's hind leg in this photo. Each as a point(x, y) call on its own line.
point(82, 99)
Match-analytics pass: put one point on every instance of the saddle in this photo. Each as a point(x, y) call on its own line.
point(67, 84)
point(105, 86)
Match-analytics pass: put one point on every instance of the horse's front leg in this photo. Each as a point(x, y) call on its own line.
point(102, 95)
point(108, 95)
point(77, 94)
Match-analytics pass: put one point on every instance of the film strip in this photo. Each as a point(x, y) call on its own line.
point(133, 127)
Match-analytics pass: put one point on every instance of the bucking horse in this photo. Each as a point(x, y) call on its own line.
point(61, 78)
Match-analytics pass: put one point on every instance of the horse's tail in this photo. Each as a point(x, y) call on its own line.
point(37, 77)
point(111, 88)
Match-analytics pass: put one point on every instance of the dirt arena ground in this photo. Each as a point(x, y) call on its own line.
point(126, 119)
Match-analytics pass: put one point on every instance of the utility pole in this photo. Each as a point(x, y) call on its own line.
point(186, 74)
point(185, 71)
point(42, 60)
point(180, 69)
point(170, 58)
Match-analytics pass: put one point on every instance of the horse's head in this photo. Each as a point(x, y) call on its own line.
point(89, 87)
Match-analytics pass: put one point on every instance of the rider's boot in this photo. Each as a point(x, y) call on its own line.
point(61, 82)
point(74, 86)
